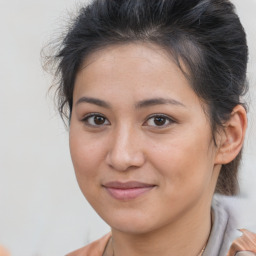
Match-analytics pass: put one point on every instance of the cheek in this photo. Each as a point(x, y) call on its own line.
point(184, 162)
point(85, 155)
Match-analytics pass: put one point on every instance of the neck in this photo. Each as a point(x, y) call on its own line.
point(185, 237)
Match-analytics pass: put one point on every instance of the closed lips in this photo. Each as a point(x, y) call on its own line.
point(127, 185)
point(127, 190)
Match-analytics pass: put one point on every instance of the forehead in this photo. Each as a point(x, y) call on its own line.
point(135, 71)
point(135, 63)
point(135, 50)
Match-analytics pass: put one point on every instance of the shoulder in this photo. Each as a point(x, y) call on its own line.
point(245, 253)
point(226, 234)
point(95, 248)
point(245, 245)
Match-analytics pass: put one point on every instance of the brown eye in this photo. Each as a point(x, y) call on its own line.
point(160, 121)
point(99, 120)
point(95, 120)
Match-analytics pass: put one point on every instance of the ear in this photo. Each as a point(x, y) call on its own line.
point(232, 138)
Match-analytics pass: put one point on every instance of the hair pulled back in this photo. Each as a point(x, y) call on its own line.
point(204, 35)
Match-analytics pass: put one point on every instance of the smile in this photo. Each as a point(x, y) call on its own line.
point(127, 190)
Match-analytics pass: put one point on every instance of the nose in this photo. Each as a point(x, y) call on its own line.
point(125, 150)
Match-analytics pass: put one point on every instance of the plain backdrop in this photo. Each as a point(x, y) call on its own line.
point(42, 211)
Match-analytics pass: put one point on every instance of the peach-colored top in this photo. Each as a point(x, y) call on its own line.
point(247, 242)
point(3, 251)
point(95, 248)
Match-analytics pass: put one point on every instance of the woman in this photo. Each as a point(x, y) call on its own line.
point(152, 92)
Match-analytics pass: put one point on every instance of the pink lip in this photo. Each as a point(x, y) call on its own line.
point(127, 190)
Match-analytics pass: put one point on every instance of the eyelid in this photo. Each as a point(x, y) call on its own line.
point(87, 116)
point(170, 119)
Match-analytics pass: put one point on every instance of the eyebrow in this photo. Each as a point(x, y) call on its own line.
point(94, 101)
point(158, 101)
point(140, 104)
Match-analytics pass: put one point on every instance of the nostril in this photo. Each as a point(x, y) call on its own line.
point(122, 161)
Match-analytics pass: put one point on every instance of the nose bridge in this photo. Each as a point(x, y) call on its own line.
point(125, 150)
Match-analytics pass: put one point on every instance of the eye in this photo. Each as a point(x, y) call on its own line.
point(95, 119)
point(159, 121)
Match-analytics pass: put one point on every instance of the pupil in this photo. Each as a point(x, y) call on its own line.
point(159, 121)
point(99, 120)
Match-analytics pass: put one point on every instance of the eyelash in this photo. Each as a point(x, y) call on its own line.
point(161, 116)
point(165, 118)
point(86, 119)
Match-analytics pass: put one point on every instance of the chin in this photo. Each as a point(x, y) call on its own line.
point(133, 228)
point(129, 224)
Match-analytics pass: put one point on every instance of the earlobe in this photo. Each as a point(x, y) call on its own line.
point(232, 137)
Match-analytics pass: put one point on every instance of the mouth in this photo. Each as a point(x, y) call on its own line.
point(127, 190)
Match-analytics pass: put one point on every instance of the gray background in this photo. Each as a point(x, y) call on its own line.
point(42, 211)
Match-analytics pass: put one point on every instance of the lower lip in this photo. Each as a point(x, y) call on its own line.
point(128, 194)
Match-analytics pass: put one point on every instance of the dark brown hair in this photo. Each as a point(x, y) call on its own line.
point(205, 35)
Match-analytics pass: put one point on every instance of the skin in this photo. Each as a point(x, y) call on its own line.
point(174, 153)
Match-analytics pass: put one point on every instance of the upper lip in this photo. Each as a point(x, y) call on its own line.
point(127, 185)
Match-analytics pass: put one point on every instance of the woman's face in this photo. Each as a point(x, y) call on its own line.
point(140, 140)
